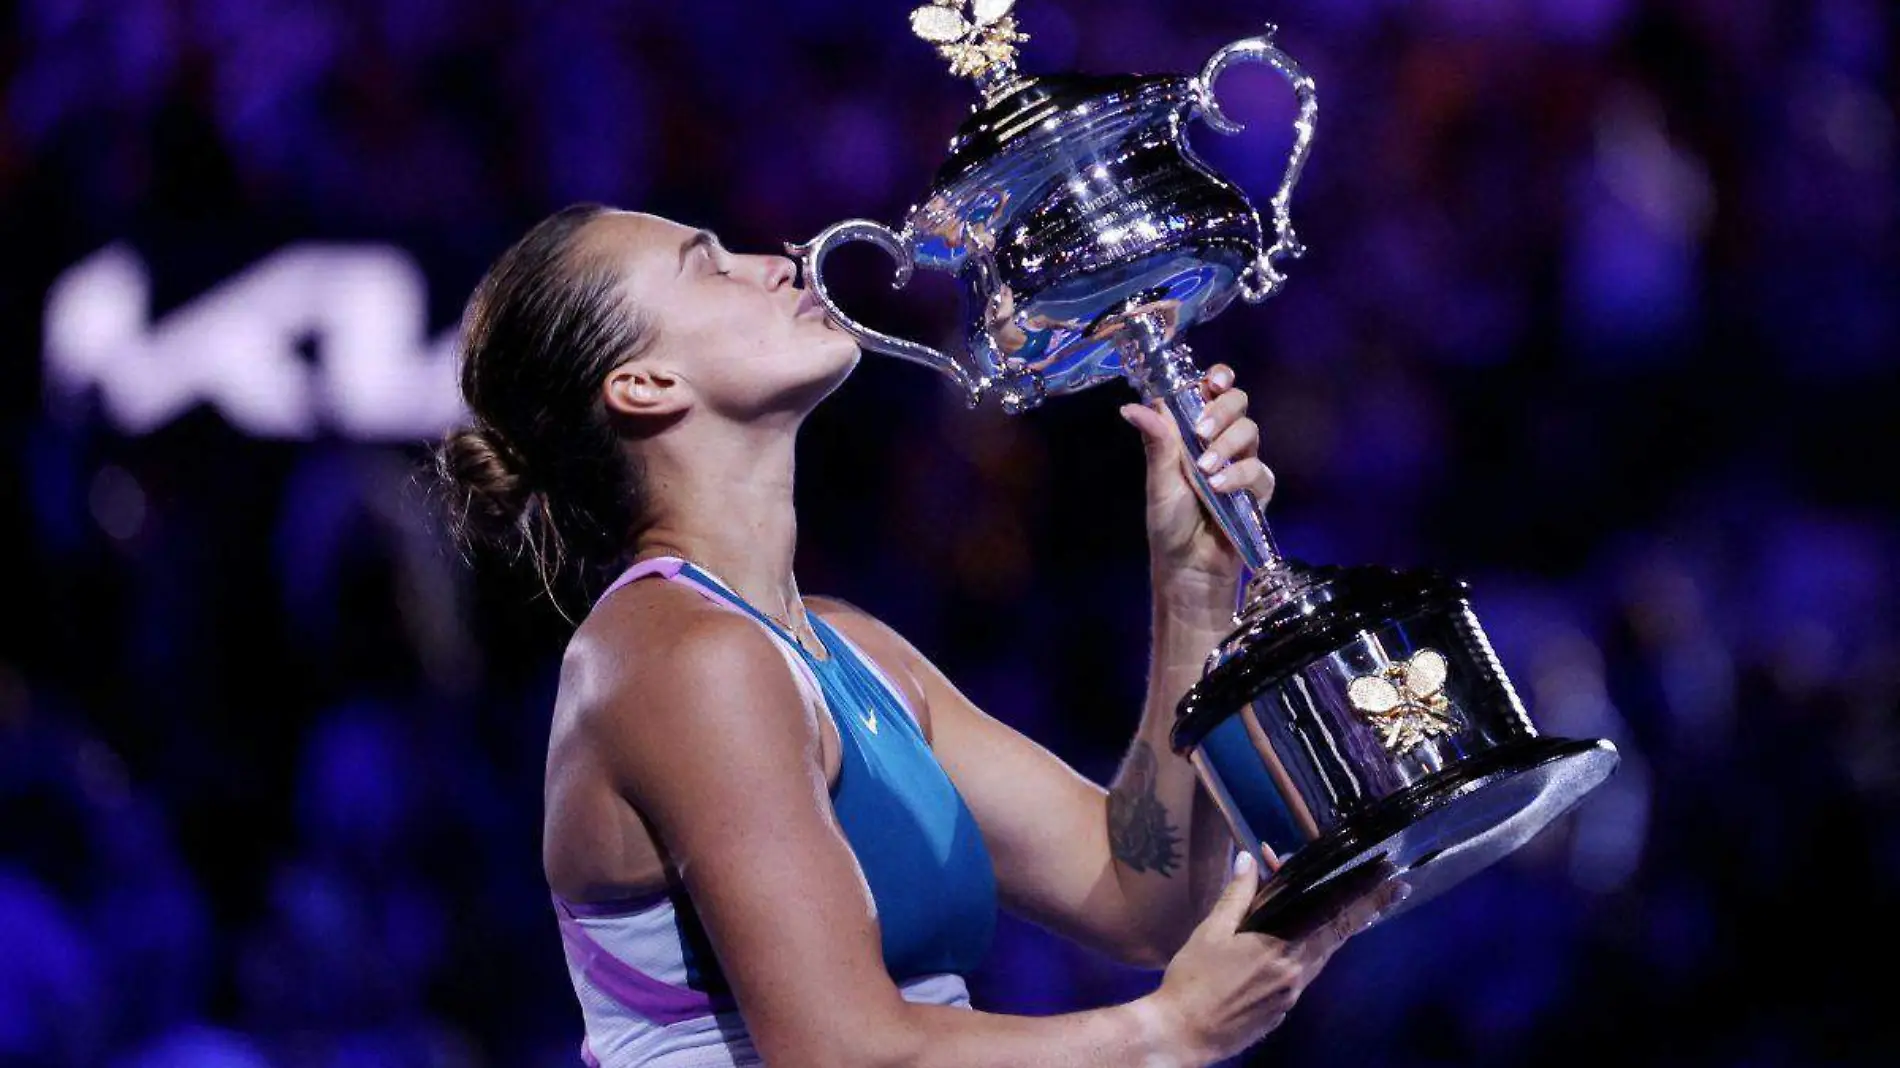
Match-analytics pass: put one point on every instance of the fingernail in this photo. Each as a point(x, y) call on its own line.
point(1218, 480)
point(1404, 891)
point(1209, 461)
point(1222, 377)
point(1204, 427)
point(1243, 862)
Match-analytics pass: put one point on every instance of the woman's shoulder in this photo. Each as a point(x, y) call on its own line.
point(654, 652)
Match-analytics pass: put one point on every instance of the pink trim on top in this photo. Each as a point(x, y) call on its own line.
point(634, 990)
point(667, 567)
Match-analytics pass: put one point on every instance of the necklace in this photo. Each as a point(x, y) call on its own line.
point(802, 635)
point(800, 631)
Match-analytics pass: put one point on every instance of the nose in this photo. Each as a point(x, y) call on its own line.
point(780, 270)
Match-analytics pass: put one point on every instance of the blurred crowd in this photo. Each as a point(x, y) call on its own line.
point(1600, 313)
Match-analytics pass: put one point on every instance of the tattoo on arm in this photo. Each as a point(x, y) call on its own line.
point(1139, 834)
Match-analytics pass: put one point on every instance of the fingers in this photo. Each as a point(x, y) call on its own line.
point(1239, 440)
point(1155, 427)
point(1233, 440)
point(1218, 380)
point(1158, 436)
point(1227, 912)
point(1355, 917)
point(1248, 474)
point(1239, 443)
point(1220, 413)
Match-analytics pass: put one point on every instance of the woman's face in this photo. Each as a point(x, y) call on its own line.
point(746, 340)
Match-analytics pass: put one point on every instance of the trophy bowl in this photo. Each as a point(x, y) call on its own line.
point(1096, 205)
point(1356, 726)
point(1070, 205)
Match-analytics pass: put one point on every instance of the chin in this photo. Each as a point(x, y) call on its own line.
point(833, 348)
point(823, 367)
point(841, 359)
point(849, 350)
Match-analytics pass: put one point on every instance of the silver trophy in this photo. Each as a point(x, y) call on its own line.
point(1356, 726)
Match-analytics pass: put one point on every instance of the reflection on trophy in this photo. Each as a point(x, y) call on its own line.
point(1356, 726)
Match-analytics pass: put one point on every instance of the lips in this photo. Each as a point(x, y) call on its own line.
point(807, 301)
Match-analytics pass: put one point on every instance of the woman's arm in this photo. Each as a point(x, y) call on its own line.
point(1129, 871)
point(1170, 842)
point(1171, 845)
point(713, 743)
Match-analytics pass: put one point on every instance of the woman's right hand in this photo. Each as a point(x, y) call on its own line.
point(1227, 988)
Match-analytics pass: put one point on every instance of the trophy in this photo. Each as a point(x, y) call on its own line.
point(1355, 727)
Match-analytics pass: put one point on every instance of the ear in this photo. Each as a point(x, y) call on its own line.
point(646, 388)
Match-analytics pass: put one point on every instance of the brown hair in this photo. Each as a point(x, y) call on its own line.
point(540, 475)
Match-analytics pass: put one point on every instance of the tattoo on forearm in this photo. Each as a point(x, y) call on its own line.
point(1139, 834)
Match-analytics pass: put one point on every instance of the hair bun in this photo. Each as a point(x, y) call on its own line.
point(488, 489)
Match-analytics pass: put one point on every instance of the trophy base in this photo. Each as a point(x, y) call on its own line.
point(1434, 834)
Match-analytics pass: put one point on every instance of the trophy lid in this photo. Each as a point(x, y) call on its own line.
point(1017, 113)
point(1074, 108)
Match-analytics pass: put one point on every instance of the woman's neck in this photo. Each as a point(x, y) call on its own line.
point(728, 508)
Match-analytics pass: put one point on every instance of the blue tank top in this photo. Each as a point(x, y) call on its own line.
point(916, 841)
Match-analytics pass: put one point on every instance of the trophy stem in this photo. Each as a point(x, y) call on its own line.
point(1165, 372)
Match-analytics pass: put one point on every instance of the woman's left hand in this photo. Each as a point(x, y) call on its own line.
point(1194, 566)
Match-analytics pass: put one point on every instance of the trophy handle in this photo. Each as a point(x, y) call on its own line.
point(1263, 278)
point(811, 256)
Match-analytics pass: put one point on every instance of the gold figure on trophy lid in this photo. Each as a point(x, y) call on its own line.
point(978, 37)
point(1406, 702)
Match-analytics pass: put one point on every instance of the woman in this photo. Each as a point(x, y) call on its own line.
point(774, 831)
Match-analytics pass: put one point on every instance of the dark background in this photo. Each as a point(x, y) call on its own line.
point(1600, 313)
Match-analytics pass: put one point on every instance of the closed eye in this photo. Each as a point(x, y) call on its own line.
point(702, 241)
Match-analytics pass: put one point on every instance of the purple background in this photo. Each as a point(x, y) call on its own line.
point(1600, 313)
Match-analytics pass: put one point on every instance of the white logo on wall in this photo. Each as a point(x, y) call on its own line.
point(240, 347)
